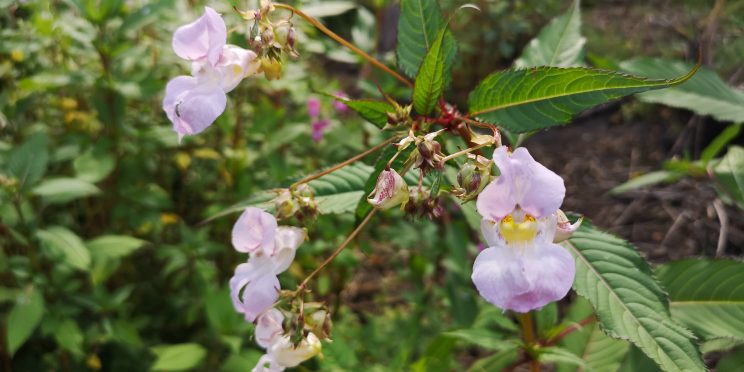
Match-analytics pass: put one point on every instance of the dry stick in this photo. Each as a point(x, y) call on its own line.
point(345, 43)
point(344, 163)
point(722, 234)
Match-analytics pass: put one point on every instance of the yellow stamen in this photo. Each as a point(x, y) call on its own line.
point(518, 232)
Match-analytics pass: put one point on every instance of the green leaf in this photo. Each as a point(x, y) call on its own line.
point(419, 23)
point(374, 112)
point(340, 191)
point(113, 246)
point(62, 240)
point(28, 162)
point(705, 93)
point(720, 142)
point(706, 295)
point(553, 354)
point(599, 351)
point(69, 336)
point(729, 173)
point(63, 190)
point(522, 101)
point(481, 337)
point(328, 8)
point(93, 167)
point(433, 74)
point(629, 302)
point(731, 362)
point(496, 362)
point(177, 357)
point(635, 361)
point(558, 44)
point(24, 317)
point(648, 179)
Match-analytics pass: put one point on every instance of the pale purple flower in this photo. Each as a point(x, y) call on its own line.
point(192, 103)
point(522, 269)
point(313, 107)
point(255, 231)
point(340, 107)
point(283, 354)
point(269, 328)
point(318, 128)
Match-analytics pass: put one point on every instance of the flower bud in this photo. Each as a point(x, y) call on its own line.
point(391, 189)
point(285, 205)
point(291, 37)
point(319, 323)
point(564, 228)
point(429, 154)
point(422, 204)
point(472, 178)
point(267, 36)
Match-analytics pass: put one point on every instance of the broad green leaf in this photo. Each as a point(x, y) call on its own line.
point(92, 167)
point(28, 162)
point(648, 179)
point(720, 142)
point(23, 318)
point(328, 8)
point(113, 246)
point(431, 77)
point(559, 44)
point(629, 302)
point(729, 173)
point(374, 112)
point(63, 190)
point(706, 295)
point(419, 23)
point(62, 240)
point(600, 352)
point(705, 93)
point(340, 191)
point(481, 337)
point(635, 361)
point(69, 336)
point(522, 101)
point(177, 357)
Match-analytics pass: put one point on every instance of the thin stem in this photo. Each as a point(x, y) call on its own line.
point(528, 334)
point(343, 163)
point(345, 43)
point(463, 152)
point(569, 330)
point(340, 247)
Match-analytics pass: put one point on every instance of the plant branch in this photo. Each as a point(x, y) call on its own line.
point(343, 163)
point(345, 43)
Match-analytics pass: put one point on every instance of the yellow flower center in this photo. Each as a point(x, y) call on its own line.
point(520, 230)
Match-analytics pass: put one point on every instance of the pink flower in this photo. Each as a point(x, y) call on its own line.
point(269, 328)
point(522, 269)
point(254, 232)
point(193, 103)
point(319, 128)
point(313, 107)
point(340, 107)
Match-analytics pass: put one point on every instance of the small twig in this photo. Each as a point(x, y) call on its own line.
point(723, 232)
point(463, 152)
point(574, 327)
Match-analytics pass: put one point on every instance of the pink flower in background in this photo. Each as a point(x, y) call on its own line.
point(192, 103)
point(318, 127)
point(340, 107)
point(313, 107)
point(522, 269)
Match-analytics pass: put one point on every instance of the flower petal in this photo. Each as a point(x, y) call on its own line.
point(287, 355)
point(235, 64)
point(499, 198)
point(259, 295)
point(267, 364)
point(490, 230)
point(203, 38)
point(551, 270)
point(269, 327)
point(256, 267)
point(254, 231)
point(499, 276)
point(190, 108)
point(285, 245)
point(544, 190)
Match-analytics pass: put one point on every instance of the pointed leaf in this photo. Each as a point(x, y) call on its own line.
point(374, 112)
point(62, 240)
point(559, 44)
point(522, 101)
point(340, 191)
point(705, 93)
point(23, 318)
point(177, 357)
point(63, 190)
point(629, 302)
point(729, 173)
point(113, 246)
point(433, 74)
point(419, 23)
point(706, 295)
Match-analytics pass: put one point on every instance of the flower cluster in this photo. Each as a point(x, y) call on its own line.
point(254, 288)
point(523, 269)
point(320, 123)
point(194, 102)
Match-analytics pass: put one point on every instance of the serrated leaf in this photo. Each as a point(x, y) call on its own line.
point(340, 191)
point(433, 74)
point(523, 101)
point(705, 93)
point(63, 190)
point(177, 357)
point(28, 162)
point(729, 173)
point(113, 246)
point(600, 352)
point(62, 240)
point(23, 319)
point(419, 23)
point(558, 44)
point(629, 302)
point(706, 295)
point(374, 112)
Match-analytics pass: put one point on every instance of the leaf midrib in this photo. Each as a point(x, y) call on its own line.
point(563, 35)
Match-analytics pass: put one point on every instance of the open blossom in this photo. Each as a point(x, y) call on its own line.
point(192, 103)
point(255, 287)
point(522, 269)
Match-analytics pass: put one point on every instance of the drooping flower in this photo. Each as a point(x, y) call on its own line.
point(391, 190)
point(254, 232)
point(192, 103)
point(269, 328)
point(522, 269)
point(283, 354)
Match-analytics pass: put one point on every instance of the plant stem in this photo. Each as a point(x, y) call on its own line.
point(528, 335)
point(343, 163)
point(345, 43)
point(463, 152)
point(340, 247)
point(569, 330)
